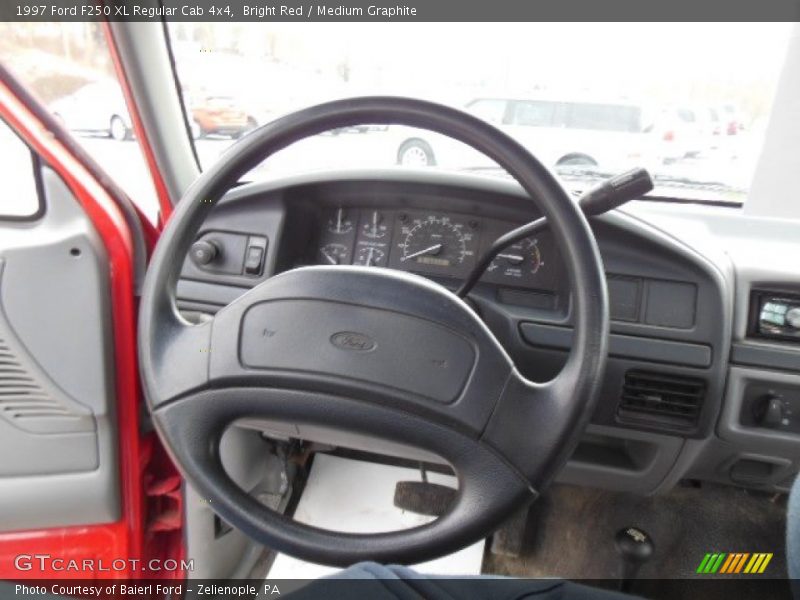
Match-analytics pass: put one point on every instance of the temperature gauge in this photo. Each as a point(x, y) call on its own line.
point(335, 254)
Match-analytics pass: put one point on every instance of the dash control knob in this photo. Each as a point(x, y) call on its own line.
point(204, 252)
point(768, 411)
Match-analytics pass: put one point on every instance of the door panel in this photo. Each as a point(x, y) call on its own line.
point(58, 459)
point(67, 297)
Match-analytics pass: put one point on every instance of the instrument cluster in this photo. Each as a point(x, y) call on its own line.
point(434, 244)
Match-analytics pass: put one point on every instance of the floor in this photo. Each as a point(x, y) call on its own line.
point(570, 533)
point(357, 496)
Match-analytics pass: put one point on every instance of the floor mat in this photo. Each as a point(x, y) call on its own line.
point(358, 496)
point(571, 533)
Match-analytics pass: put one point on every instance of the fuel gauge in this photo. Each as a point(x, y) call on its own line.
point(518, 260)
point(533, 255)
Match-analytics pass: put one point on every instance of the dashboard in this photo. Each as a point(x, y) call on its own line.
point(699, 346)
point(440, 245)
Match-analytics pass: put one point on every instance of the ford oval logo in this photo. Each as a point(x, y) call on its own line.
point(350, 340)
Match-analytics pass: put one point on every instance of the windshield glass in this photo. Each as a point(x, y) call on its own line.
point(688, 101)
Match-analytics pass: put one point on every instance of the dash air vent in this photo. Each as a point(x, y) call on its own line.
point(661, 399)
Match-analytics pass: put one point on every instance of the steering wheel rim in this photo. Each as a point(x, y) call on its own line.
point(198, 379)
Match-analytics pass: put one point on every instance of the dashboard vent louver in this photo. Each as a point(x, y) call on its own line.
point(672, 400)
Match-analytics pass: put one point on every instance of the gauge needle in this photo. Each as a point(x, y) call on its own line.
point(434, 248)
point(330, 258)
point(369, 257)
point(512, 258)
point(339, 221)
point(375, 223)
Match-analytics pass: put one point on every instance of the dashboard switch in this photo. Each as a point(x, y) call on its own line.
point(253, 260)
point(204, 252)
point(254, 255)
point(769, 411)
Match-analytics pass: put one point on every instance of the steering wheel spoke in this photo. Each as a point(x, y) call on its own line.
point(529, 421)
point(177, 360)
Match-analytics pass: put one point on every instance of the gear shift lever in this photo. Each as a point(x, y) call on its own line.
point(635, 547)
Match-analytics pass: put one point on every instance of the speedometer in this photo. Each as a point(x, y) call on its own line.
point(434, 241)
point(434, 244)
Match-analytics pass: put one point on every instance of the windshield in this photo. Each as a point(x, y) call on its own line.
point(688, 101)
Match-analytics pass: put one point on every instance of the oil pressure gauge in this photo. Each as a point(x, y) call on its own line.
point(334, 254)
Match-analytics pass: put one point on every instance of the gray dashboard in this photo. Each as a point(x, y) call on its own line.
point(666, 411)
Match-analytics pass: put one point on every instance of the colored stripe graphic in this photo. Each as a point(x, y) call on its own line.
point(755, 562)
point(703, 563)
point(730, 566)
point(711, 562)
point(767, 558)
point(734, 563)
point(740, 563)
point(727, 564)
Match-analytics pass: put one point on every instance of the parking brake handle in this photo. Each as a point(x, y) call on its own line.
point(597, 200)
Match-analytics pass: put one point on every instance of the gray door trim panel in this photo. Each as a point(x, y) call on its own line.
point(58, 464)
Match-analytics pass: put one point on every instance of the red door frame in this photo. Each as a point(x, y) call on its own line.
point(151, 502)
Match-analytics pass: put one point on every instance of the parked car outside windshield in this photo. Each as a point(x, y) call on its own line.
point(218, 115)
point(96, 108)
point(559, 132)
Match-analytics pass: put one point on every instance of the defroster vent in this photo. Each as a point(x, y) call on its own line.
point(658, 398)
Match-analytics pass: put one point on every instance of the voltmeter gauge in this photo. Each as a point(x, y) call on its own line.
point(370, 256)
point(373, 225)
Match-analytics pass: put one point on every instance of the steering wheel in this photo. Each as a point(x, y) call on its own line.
point(370, 352)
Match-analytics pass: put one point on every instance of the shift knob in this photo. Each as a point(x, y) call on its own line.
point(635, 547)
